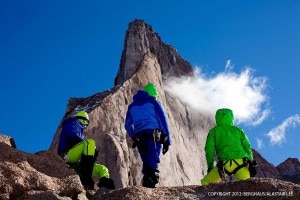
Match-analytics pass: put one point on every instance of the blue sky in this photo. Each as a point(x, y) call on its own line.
point(53, 50)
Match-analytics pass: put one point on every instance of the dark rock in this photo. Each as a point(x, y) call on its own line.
point(26, 176)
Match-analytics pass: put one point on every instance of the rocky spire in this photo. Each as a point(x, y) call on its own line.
point(141, 39)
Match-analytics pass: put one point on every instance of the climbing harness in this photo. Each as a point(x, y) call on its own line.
point(222, 171)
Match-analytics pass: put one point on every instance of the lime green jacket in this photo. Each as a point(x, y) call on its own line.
point(226, 140)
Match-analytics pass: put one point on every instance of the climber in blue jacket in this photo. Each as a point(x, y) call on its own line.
point(147, 125)
point(81, 153)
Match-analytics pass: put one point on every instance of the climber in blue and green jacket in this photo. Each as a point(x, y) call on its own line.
point(81, 153)
point(147, 125)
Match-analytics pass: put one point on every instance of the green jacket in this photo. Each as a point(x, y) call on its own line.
point(226, 140)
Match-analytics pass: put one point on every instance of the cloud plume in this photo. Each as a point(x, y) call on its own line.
point(243, 93)
point(277, 134)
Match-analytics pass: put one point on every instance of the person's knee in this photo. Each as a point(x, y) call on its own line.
point(90, 147)
point(100, 171)
point(74, 154)
point(242, 174)
point(212, 177)
point(90, 142)
point(204, 182)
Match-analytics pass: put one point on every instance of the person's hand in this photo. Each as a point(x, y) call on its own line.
point(165, 148)
point(163, 138)
point(253, 168)
point(135, 142)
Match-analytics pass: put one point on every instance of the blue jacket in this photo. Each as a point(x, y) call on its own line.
point(71, 134)
point(146, 113)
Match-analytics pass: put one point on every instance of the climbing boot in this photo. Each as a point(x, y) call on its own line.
point(151, 178)
point(106, 183)
point(85, 172)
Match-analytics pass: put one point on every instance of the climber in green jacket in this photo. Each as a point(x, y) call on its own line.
point(232, 149)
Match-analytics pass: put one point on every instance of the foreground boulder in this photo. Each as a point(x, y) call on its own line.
point(36, 176)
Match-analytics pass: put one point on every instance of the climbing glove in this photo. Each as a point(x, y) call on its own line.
point(253, 168)
point(135, 142)
point(165, 148)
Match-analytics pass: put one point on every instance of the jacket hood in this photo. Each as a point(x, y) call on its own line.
point(141, 95)
point(151, 89)
point(224, 116)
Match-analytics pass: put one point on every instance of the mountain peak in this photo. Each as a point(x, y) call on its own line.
point(290, 170)
point(141, 39)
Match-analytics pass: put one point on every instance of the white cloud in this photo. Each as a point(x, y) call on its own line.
point(229, 66)
point(277, 135)
point(260, 143)
point(243, 93)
